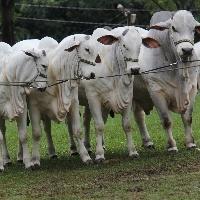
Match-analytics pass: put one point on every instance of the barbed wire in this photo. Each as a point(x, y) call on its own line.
point(79, 22)
point(80, 8)
point(64, 21)
point(91, 9)
point(134, 72)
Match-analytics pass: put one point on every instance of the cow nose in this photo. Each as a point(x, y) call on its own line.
point(187, 51)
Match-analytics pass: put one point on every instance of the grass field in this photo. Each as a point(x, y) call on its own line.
point(155, 175)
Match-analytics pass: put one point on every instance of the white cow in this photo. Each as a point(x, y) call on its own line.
point(46, 43)
point(197, 50)
point(19, 71)
point(101, 95)
point(73, 57)
point(169, 42)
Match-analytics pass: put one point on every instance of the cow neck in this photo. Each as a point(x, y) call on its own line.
point(11, 102)
point(120, 66)
point(62, 69)
point(121, 94)
point(183, 76)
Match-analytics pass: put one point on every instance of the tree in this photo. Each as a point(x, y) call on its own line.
point(7, 15)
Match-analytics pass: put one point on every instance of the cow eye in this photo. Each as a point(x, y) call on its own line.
point(87, 50)
point(44, 66)
point(125, 46)
point(173, 28)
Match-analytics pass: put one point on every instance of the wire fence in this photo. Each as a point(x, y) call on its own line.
point(134, 72)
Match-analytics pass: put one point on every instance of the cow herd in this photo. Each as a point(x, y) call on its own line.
point(123, 70)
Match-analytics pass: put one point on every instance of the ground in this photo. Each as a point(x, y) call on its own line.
point(155, 175)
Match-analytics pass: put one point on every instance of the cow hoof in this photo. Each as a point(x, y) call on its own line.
point(89, 162)
point(74, 153)
point(36, 166)
point(1, 168)
point(134, 155)
point(53, 157)
point(99, 160)
point(20, 160)
point(149, 145)
point(172, 149)
point(191, 146)
point(7, 162)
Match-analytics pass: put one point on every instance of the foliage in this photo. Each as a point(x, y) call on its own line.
point(38, 29)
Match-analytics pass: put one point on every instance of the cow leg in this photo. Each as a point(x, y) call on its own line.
point(126, 124)
point(140, 120)
point(20, 152)
point(86, 126)
point(73, 149)
point(47, 129)
point(1, 152)
point(36, 134)
point(22, 130)
point(163, 111)
point(74, 116)
point(95, 108)
point(187, 121)
point(6, 157)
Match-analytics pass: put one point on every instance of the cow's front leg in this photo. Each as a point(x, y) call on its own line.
point(36, 135)
point(1, 152)
point(140, 120)
point(47, 128)
point(95, 108)
point(6, 157)
point(86, 126)
point(187, 121)
point(74, 117)
point(22, 130)
point(163, 111)
point(73, 149)
point(126, 124)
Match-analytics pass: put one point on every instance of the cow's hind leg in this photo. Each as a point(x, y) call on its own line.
point(163, 111)
point(74, 117)
point(1, 152)
point(6, 157)
point(126, 124)
point(187, 121)
point(140, 120)
point(47, 129)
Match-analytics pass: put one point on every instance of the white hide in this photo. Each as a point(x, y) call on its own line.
point(61, 101)
point(18, 69)
point(112, 93)
point(197, 51)
point(173, 90)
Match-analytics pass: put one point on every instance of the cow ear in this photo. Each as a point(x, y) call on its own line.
point(150, 42)
point(197, 29)
point(98, 59)
point(31, 54)
point(159, 28)
point(125, 32)
point(70, 49)
point(107, 39)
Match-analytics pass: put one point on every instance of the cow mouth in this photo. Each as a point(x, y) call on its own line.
point(185, 58)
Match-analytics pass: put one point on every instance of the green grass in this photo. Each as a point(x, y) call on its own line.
point(155, 175)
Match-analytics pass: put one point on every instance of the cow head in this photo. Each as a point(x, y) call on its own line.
point(87, 57)
point(34, 68)
point(181, 28)
point(129, 41)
